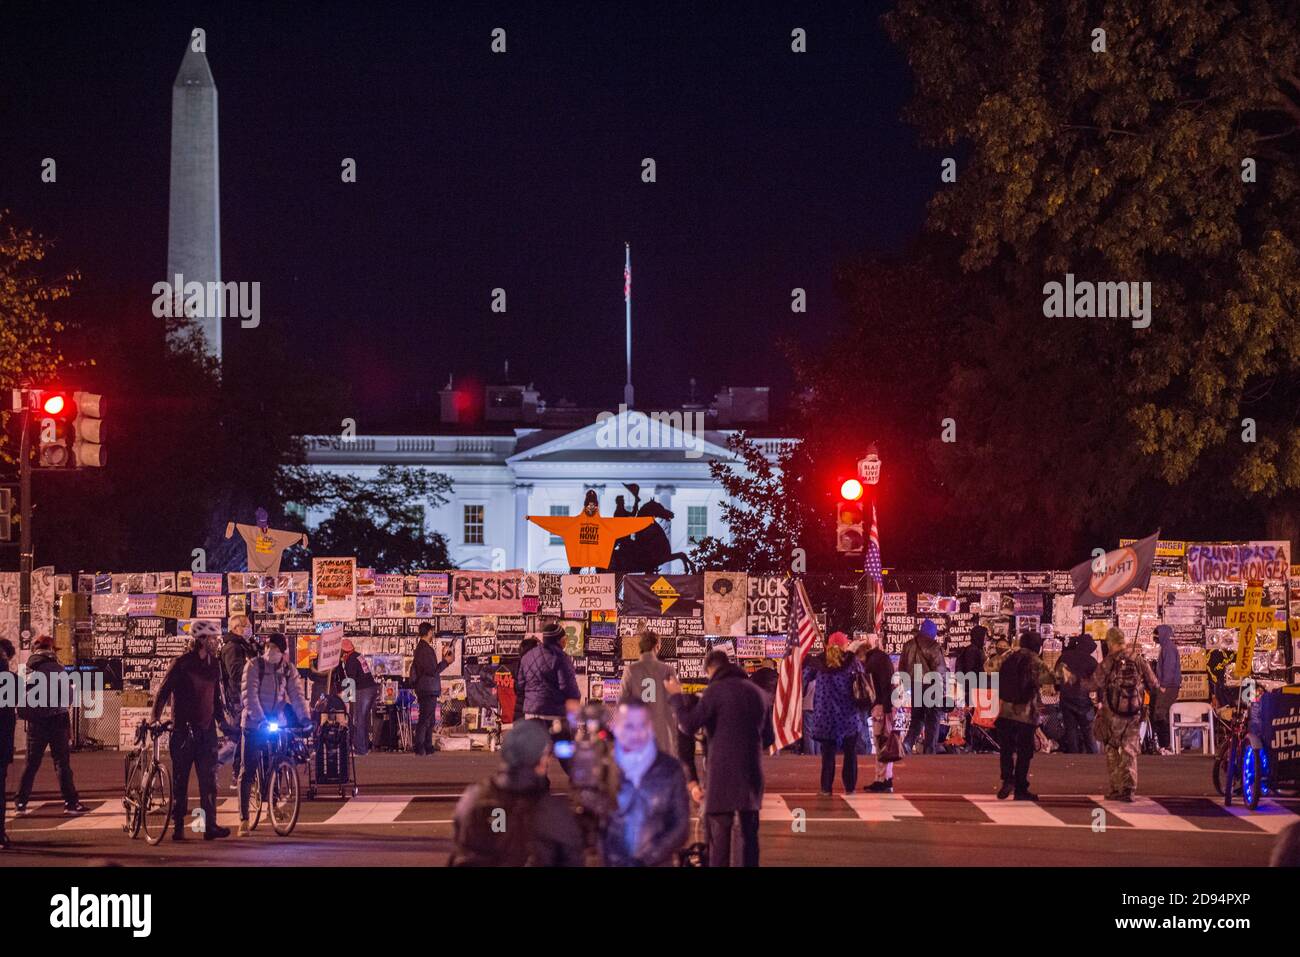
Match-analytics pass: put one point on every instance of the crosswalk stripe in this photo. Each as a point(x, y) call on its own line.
point(1014, 813)
point(1146, 814)
point(870, 806)
point(1270, 817)
point(383, 809)
point(108, 815)
point(774, 808)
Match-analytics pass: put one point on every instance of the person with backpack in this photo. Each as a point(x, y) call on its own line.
point(923, 663)
point(48, 726)
point(512, 819)
point(833, 723)
point(878, 670)
point(1021, 675)
point(1074, 671)
point(1120, 681)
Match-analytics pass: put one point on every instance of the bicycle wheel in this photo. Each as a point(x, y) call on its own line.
point(134, 789)
point(156, 804)
point(284, 799)
point(1219, 770)
point(1230, 775)
point(1251, 779)
point(255, 799)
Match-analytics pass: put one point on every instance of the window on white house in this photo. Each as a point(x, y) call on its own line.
point(697, 522)
point(558, 510)
point(473, 524)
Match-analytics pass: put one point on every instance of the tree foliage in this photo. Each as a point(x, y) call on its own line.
point(1125, 165)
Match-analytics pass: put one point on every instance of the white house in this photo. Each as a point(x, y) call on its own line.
point(500, 479)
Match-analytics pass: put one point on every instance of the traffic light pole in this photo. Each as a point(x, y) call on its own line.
point(25, 529)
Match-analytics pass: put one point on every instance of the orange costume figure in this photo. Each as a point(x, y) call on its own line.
point(589, 538)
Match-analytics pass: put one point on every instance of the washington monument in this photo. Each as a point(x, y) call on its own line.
point(194, 220)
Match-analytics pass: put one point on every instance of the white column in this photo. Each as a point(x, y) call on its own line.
point(522, 491)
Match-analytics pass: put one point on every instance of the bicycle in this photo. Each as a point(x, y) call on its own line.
point(148, 798)
point(1230, 761)
point(275, 777)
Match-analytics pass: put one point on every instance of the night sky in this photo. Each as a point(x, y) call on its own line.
point(475, 171)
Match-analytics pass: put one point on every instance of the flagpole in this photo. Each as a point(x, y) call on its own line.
point(627, 301)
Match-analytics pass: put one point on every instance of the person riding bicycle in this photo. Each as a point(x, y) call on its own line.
point(270, 684)
point(193, 685)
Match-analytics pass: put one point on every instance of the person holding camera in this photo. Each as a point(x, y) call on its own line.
point(652, 816)
point(512, 819)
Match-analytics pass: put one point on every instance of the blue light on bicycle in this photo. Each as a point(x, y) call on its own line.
point(272, 727)
point(564, 749)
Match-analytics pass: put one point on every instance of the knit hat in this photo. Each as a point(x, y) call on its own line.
point(837, 640)
point(42, 643)
point(277, 639)
point(553, 632)
point(524, 744)
point(929, 628)
point(348, 645)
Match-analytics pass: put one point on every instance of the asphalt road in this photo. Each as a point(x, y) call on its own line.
point(943, 813)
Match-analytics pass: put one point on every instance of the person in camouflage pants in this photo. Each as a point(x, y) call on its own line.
point(1118, 733)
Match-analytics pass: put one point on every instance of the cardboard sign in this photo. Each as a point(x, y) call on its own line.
point(486, 593)
point(334, 583)
point(330, 649)
point(587, 593)
point(174, 606)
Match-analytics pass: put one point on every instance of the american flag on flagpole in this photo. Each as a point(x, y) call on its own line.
point(627, 282)
point(787, 709)
point(874, 570)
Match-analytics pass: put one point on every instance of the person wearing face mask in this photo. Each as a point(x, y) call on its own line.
point(652, 818)
point(193, 685)
point(271, 684)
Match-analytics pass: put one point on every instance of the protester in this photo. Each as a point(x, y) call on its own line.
point(807, 743)
point(643, 680)
point(1021, 678)
point(237, 650)
point(426, 682)
point(193, 685)
point(512, 819)
point(49, 726)
point(516, 697)
point(686, 751)
point(549, 687)
point(1169, 673)
point(8, 725)
point(834, 721)
point(1073, 673)
point(353, 668)
point(923, 663)
point(652, 817)
point(270, 685)
point(880, 672)
point(1119, 682)
point(731, 711)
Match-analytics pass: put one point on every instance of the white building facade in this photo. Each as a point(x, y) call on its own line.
point(499, 480)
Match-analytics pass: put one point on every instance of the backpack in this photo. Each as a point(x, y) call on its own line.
point(1124, 688)
point(1016, 679)
point(864, 690)
point(484, 843)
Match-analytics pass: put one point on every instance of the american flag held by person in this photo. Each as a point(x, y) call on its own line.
point(787, 709)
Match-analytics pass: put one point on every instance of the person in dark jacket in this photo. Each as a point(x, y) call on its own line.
point(833, 723)
point(1074, 671)
point(549, 687)
point(50, 727)
point(512, 819)
point(426, 682)
point(352, 668)
point(193, 685)
point(652, 814)
point(8, 724)
point(923, 663)
point(731, 711)
point(1169, 672)
point(517, 699)
point(970, 666)
point(880, 672)
point(686, 752)
point(237, 649)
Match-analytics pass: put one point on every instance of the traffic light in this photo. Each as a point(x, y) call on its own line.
point(88, 430)
point(849, 537)
point(52, 452)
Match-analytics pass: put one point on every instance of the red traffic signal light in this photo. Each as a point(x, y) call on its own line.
point(851, 490)
point(54, 403)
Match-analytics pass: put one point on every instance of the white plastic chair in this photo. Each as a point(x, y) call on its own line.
point(1192, 715)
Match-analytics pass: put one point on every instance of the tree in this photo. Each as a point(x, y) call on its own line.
point(1126, 165)
point(27, 331)
point(380, 520)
